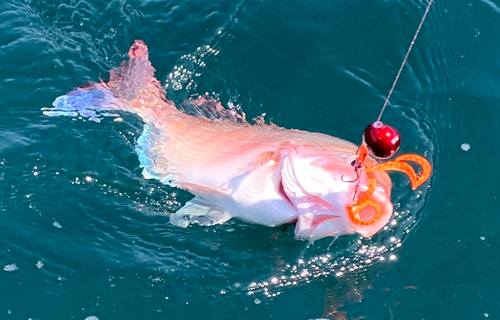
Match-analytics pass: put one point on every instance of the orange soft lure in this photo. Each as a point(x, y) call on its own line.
point(400, 163)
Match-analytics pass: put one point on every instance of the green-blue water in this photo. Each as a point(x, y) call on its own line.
point(83, 234)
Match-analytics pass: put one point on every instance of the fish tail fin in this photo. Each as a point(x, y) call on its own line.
point(135, 78)
point(131, 87)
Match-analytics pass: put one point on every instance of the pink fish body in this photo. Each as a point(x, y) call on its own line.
point(259, 173)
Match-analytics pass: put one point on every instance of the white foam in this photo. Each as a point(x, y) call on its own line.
point(10, 267)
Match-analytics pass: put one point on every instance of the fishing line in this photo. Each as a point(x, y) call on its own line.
point(382, 141)
point(405, 59)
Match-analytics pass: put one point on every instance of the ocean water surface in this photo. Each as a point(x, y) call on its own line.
point(83, 235)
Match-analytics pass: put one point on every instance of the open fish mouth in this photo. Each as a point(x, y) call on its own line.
point(367, 221)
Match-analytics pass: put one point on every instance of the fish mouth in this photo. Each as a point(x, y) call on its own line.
point(367, 222)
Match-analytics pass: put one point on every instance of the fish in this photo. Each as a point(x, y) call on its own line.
point(256, 172)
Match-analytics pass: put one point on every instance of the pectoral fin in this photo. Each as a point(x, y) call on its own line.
point(199, 212)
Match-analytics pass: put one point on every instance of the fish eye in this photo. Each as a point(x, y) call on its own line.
point(353, 163)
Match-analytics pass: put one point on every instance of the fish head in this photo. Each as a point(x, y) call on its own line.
point(323, 184)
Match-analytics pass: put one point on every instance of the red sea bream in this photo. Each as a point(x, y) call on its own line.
point(258, 173)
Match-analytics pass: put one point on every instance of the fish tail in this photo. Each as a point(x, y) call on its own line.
point(131, 87)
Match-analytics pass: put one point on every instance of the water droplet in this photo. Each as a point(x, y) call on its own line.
point(10, 267)
point(57, 225)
